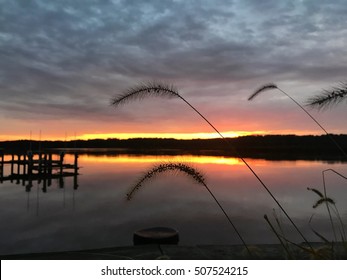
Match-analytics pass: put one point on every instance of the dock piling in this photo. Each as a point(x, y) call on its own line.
point(38, 166)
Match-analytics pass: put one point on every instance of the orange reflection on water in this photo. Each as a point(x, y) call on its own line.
point(153, 159)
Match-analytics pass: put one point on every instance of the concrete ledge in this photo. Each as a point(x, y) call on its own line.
point(199, 252)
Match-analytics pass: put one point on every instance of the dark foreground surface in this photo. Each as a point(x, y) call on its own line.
point(201, 252)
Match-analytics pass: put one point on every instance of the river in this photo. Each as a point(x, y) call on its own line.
point(96, 214)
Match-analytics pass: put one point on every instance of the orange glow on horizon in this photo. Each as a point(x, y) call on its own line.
point(179, 136)
point(90, 136)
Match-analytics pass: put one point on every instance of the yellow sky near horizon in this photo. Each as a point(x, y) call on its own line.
point(89, 136)
point(180, 136)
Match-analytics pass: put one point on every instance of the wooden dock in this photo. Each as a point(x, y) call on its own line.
point(41, 166)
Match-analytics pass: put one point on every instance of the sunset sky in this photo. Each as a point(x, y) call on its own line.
point(61, 62)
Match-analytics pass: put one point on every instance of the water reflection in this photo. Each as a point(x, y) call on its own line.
point(98, 215)
point(26, 168)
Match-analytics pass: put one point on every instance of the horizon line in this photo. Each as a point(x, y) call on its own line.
point(167, 135)
point(164, 138)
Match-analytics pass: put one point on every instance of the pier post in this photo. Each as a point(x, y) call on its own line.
point(61, 162)
point(49, 164)
point(2, 165)
point(24, 163)
point(30, 163)
point(40, 162)
point(12, 163)
point(40, 167)
point(30, 170)
point(44, 187)
point(18, 168)
point(45, 164)
point(76, 163)
point(75, 182)
point(50, 168)
point(18, 164)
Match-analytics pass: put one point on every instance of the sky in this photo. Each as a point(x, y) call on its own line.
point(61, 62)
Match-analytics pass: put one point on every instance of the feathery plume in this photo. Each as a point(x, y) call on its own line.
point(261, 89)
point(328, 98)
point(322, 200)
point(273, 86)
point(193, 173)
point(316, 192)
point(168, 91)
point(144, 90)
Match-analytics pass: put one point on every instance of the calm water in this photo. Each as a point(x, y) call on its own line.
point(97, 214)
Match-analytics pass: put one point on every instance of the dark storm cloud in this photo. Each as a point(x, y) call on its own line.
point(78, 53)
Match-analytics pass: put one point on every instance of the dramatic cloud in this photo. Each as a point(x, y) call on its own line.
point(64, 60)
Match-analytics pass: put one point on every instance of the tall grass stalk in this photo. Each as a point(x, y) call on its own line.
point(324, 199)
point(313, 252)
point(284, 245)
point(163, 90)
point(271, 86)
point(191, 172)
point(279, 223)
point(335, 208)
point(329, 202)
point(324, 239)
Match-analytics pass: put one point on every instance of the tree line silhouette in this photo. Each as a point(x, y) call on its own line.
point(268, 146)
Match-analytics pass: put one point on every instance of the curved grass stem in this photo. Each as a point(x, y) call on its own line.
point(273, 86)
point(195, 175)
point(250, 169)
point(159, 89)
point(327, 204)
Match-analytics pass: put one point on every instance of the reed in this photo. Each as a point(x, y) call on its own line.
point(164, 90)
point(324, 199)
point(271, 86)
point(279, 237)
point(191, 172)
point(330, 204)
point(316, 253)
point(165, 168)
point(279, 224)
point(328, 98)
point(324, 239)
point(343, 233)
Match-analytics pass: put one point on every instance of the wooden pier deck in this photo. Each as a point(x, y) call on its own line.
point(36, 166)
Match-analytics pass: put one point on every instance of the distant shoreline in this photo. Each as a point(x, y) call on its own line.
point(267, 147)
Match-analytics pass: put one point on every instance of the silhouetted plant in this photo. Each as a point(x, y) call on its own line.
point(329, 202)
point(164, 90)
point(168, 167)
point(193, 173)
point(324, 199)
point(324, 239)
point(323, 252)
point(279, 236)
point(328, 98)
point(343, 234)
point(271, 86)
